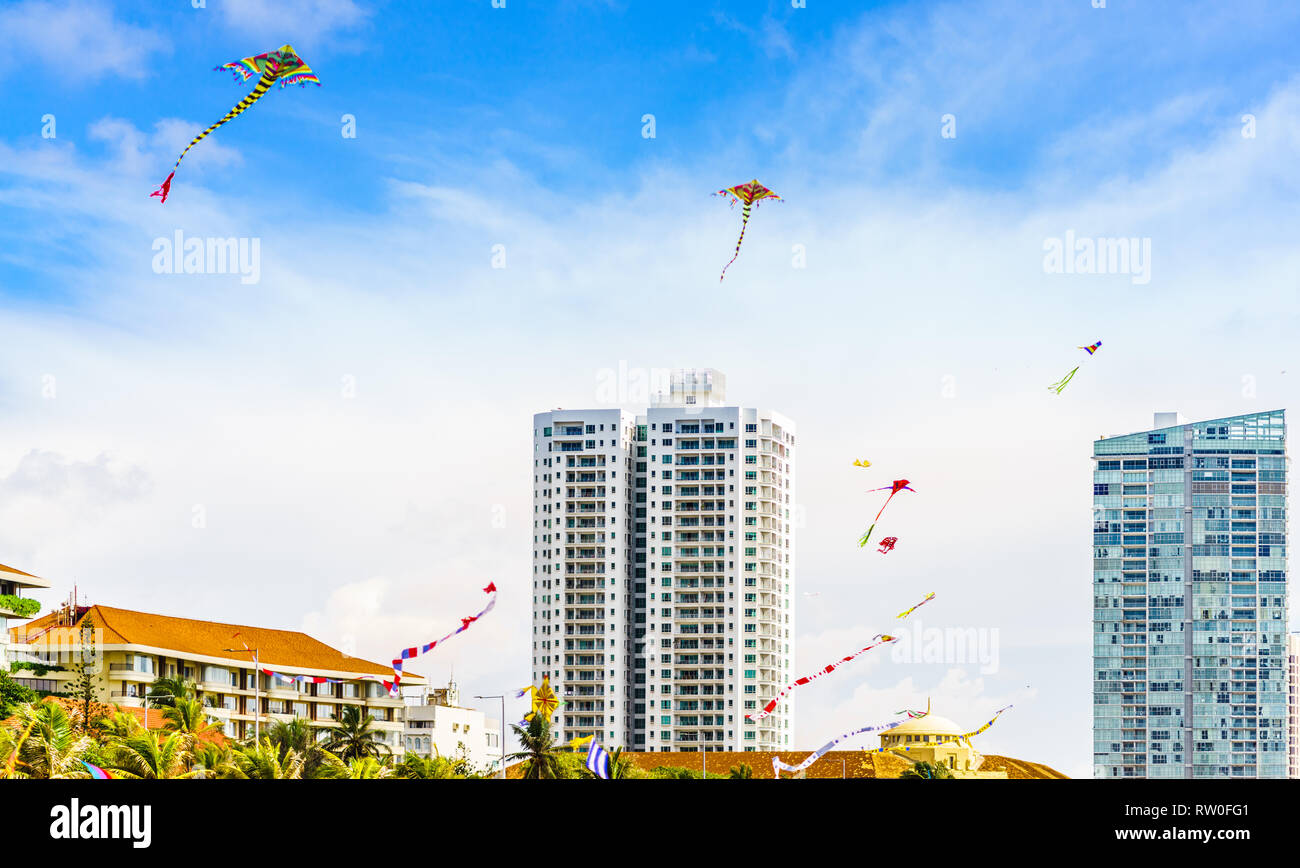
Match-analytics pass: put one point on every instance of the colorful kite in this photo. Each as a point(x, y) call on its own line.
point(1062, 383)
point(899, 485)
point(861, 462)
point(544, 699)
point(316, 679)
point(748, 194)
point(994, 719)
point(916, 713)
point(778, 766)
point(283, 65)
point(928, 598)
point(876, 641)
point(887, 544)
point(408, 653)
point(578, 743)
point(1065, 381)
point(966, 737)
point(96, 773)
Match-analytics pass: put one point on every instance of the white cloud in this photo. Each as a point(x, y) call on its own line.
point(308, 20)
point(76, 39)
point(371, 516)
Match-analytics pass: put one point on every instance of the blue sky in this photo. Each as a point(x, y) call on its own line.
point(920, 333)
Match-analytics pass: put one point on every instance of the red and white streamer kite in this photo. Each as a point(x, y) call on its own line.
point(408, 653)
point(876, 642)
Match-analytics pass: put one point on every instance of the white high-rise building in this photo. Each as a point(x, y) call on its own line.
point(699, 542)
point(583, 482)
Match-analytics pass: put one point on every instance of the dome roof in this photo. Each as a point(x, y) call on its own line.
point(930, 724)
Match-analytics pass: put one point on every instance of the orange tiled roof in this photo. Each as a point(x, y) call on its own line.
point(186, 636)
point(836, 763)
point(4, 569)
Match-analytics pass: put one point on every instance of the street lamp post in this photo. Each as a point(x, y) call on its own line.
point(257, 692)
point(501, 697)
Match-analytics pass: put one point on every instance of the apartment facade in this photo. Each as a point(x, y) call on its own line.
point(1190, 602)
point(1293, 705)
point(704, 563)
point(125, 651)
point(583, 557)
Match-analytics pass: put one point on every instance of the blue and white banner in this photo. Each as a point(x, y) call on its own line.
point(598, 760)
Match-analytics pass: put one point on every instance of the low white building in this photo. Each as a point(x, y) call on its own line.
point(436, 725)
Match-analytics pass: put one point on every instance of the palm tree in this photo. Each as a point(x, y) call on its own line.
point(152, 755)
point(741, 772)
point(367, 768)
point(354, 737)
point(620, 767)
point(263, 762)
point(299, 736)
point(43, 742)
point(164, 692)
point(414, 766)
point(540, 754)
point(212, 760)
point(119, 724)
point(927, 771)
point(187, 718)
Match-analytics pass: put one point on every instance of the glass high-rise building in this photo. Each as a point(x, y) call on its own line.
point(1190, 600)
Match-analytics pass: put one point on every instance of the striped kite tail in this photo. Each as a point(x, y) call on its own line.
point(263, 85)
point(744, 221)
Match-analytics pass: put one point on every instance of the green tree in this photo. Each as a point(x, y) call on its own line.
point(367, 768)
point(12, 695)
point(84, 689)
point(164, 692)
point(299, 736)
point(415, 767)
point(187, 718)
point(927, 771)
point(212, 760)
point(43, 741)
point(622, 767)
point(264, 762)
point(354, 735)
point(741, 772)
point(119, 724)
point(151, 755)
point(539, 752)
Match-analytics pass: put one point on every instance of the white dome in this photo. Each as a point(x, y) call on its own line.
point(930, 724)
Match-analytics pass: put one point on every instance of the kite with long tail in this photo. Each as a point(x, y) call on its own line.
point(898, 485)
point(1060, 384)
point(876, 641)
point(778, 766)
point(958, 739)
point(408, 653)
point(748, 195)
point(282, 65)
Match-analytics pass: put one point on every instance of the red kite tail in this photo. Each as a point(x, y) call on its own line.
point(164, 189)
